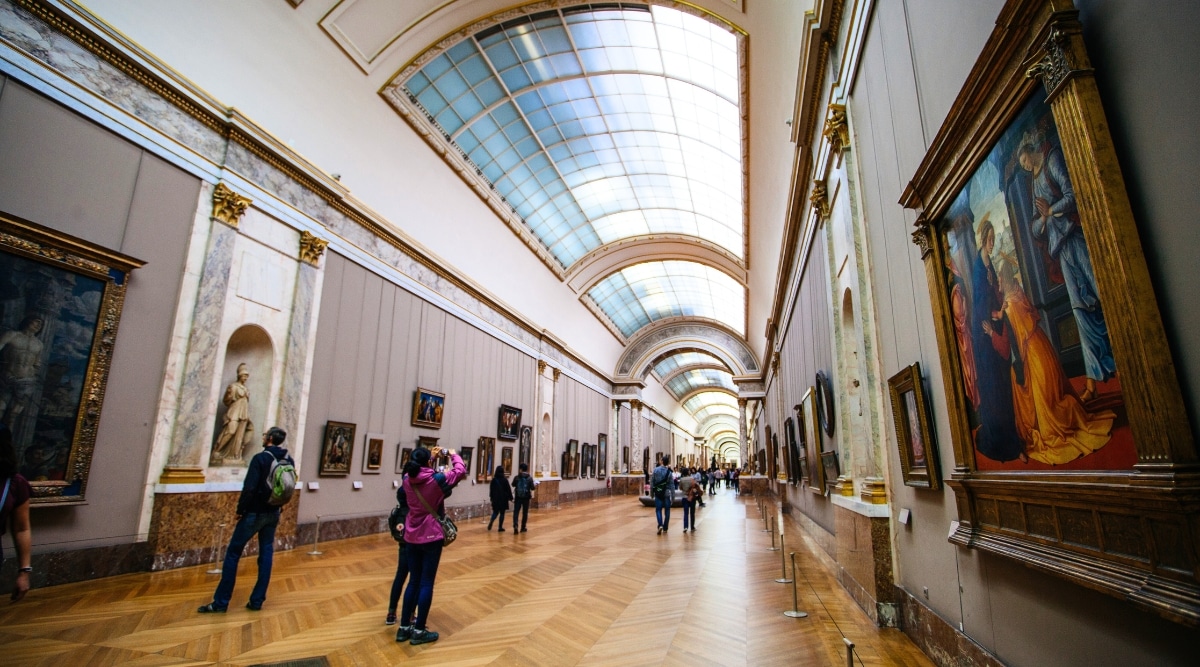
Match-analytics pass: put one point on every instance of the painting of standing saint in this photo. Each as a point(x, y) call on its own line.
point(1038, 372)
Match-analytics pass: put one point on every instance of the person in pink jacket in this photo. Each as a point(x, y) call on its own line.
point(423, 538)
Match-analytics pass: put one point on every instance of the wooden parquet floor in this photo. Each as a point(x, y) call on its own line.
point(589, 584)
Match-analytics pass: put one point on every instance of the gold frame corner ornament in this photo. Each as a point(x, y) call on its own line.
point(311, 248)
point(228, 206)
point(1050, 520)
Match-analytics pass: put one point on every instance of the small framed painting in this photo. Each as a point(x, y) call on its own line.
point(914, 435)
point(602, 445)
point(405, 454)
point(373, 458)
point(509, 426)
point(337, 449)
point(427, 408)
point(506, 458)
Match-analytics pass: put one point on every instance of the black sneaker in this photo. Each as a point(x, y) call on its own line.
point(253, 607)
point(404, 633)
point(524, 530)
point(422, 636)
point(211, 608)
point(391, 618)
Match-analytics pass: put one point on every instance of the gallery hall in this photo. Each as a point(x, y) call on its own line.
point(769, 332)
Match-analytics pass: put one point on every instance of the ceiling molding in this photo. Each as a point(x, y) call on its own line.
point(654, 340)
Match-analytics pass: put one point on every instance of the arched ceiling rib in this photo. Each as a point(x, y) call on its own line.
point(603, 134)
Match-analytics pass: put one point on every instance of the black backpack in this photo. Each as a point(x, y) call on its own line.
point(522, 485)
point(659, 482)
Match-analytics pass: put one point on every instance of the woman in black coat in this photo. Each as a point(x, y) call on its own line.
point(501, 494)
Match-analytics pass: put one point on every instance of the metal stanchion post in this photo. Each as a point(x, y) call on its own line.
point(783, 563)
point(849, 652)
point(766, 520)
point(794, 612)
point(773, 547)
point(316, 538)
point(217, 549)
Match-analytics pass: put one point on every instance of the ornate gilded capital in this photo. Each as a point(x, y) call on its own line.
point(228, 206)
point(1060, 59)
point(635, 404)
point(742, 403)
point(837, 130)
point(311, 248)
point(541, 366)
point(557, 373)
point(922, 236)
point(775, 362)
point(820, 199)
point(874, 491)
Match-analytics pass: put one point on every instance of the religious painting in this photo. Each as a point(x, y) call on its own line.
point(772, 462)
point(793, 451)
point(506, 456)
point(509, 426)
point(811, 428)
point(829, 467)
point(337, 449)
point(427, 408)
point(402, 457)
point(571, 460)
point(525, 445)
point(60, 304)
point(1036, 361)
point(782, 472)
point(602, 446)
point(467, 455)
point(914, 435)
point(485, 468)
point(373, 454)
point(1061, 394)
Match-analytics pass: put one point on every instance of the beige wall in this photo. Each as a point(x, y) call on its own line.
point(63, 172)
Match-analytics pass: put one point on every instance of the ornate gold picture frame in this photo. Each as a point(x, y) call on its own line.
point(807, 416)
point(60, 304)
point(1089, 472)
point(914, 433)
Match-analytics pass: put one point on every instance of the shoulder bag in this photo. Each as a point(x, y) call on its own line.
point(449, 530)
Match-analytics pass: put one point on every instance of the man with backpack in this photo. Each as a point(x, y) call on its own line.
point(662, 487)
point(270, 483)
point(523, 486)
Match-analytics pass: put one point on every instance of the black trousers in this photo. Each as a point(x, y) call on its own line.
point(520, 509)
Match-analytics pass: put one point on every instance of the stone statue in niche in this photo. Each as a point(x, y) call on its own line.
point(238, 430)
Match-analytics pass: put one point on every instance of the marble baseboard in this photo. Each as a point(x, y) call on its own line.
point(546, 494)
point(945, 645)
point(185, 528)
point(64, 567)
point(589, 494)
point(627, 485)
point(824, 539)
point(754, 486)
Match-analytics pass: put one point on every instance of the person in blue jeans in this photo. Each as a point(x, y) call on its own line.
point(256, 516)
point(662, 485)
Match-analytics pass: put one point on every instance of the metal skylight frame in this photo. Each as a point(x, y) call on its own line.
point(641, 294)
point(544, 179)
point(684, 359)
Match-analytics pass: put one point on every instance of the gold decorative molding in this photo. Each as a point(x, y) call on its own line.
point(557, 374)
point(311, 248)
point(635, 404)
point(172, 475)
point(874, 491)
point(228, 206)
point(820, 199)
point(837, 129)
point(541, 366)
point(922, 237)
point(845, 486)
point(1059, 61)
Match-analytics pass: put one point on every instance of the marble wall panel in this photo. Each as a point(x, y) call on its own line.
point(627, 485)
point(546, 495)
point(186, 529)
point(945, 646)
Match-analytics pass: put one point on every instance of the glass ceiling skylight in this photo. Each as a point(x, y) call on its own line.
point(688, 381)
point(683, 359)
point(643, 293)
point(707, 399)
point(598, 123)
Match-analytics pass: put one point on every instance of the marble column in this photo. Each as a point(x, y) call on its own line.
point(614, 461)
point(742, 432)
point(300, 337)
point(536, 456)
point(635, 435)
point(192, 430)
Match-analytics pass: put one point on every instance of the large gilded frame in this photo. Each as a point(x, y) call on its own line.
point(1134, 533)
point(63, 260)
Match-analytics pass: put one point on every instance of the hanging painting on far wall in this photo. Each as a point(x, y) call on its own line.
point(506, 458)
point(428, 407)
point(525, 445)
point(337, 448)
point(602, 445)
point(509, 425)
point(373, 454)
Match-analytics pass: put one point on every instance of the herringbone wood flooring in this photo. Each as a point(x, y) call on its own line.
point(589, 584)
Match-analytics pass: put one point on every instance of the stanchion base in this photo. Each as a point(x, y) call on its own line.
point(783, 581)
point(215, 570)
point(795, 614)
point(772, 548)
point(315, 553)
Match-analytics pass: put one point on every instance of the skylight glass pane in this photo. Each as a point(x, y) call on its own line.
point(683, 360)
point(670, 289)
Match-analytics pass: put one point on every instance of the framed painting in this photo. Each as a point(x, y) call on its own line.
point(509, 426)
point(772, 463)
point(801, 444)
point(427, 408)
point(60, 304)
point(602, 446)
point(782, 471)
point(506, 458)
point(571, 460)
point(807, 418)
point(793, 451)
point(373, 454)
point(914, 435)
point(487, 453)
point(337, 449)
point(524, 445)
point(467, 455)
point(829, 468)
point(1067, 422)
point(625, 459)
point(402, 457)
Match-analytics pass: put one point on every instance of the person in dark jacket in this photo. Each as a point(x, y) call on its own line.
point(501, 494)
point(15, 493)
point(401, 557)
point(255, 516)
point(523, 486)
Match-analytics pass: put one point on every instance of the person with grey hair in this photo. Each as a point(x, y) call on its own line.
point(256, 516)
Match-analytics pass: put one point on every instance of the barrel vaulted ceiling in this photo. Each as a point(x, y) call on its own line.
point(611, 138)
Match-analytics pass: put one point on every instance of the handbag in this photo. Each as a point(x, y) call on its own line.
point(449, 530)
